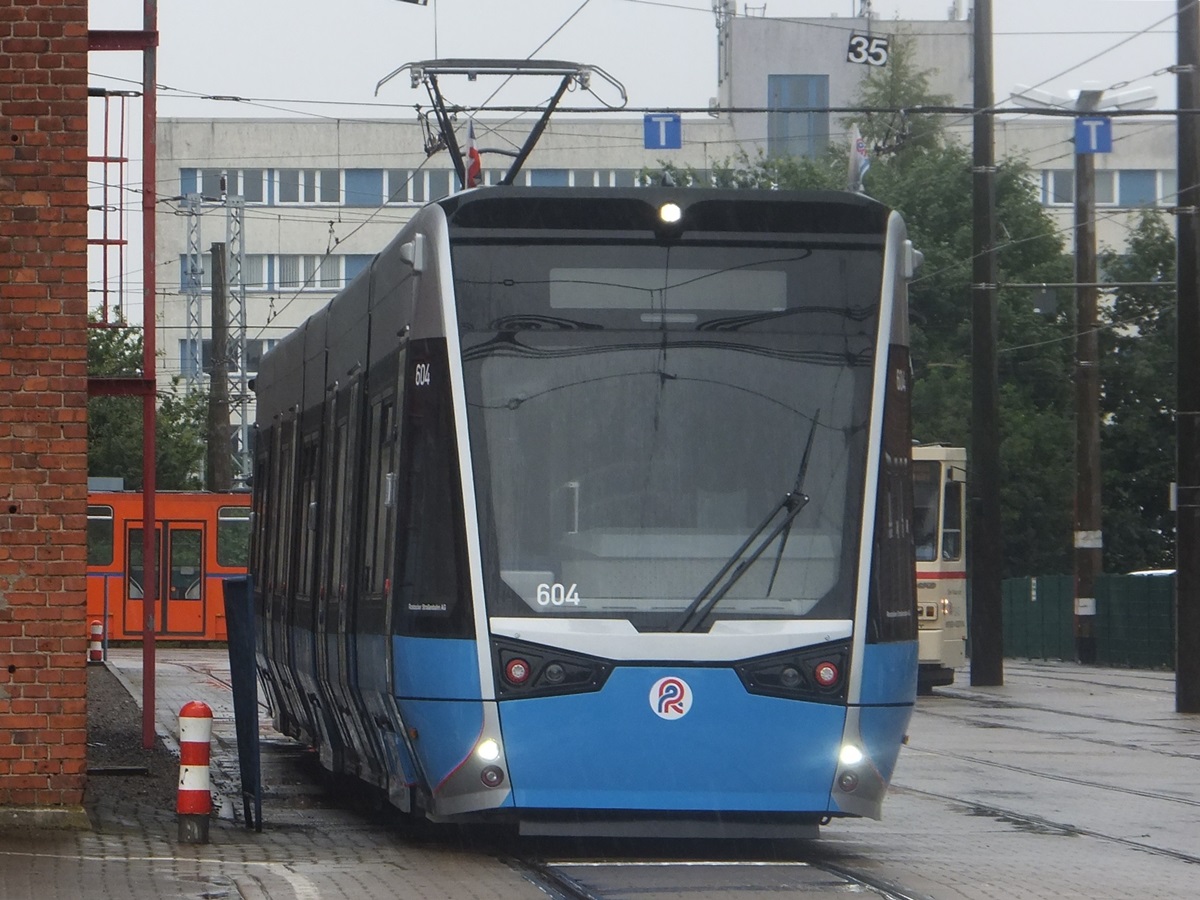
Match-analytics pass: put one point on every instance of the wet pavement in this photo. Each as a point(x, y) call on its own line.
point(1068, 781)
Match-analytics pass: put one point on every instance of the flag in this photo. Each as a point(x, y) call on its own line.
point(859, 160)
point(474, 163)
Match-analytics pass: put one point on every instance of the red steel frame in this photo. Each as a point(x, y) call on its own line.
point(145, 385)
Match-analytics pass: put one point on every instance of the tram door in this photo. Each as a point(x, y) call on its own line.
point(181, 581)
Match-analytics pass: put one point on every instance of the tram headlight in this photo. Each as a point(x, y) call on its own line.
point(488, 750)
point(850, 755)
point(946, 607)
point(670, 213)
point(492, 776)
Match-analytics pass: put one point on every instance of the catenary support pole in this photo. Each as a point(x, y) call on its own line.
point(1187, 426)
point(1088, 540)
point(987, 635)
point(219, 469)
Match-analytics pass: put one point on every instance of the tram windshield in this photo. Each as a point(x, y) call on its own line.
point(635, 411)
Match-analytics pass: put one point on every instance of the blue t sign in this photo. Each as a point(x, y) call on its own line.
point(1093, 134)
point(664, 131)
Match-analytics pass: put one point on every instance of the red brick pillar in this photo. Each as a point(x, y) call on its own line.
point(43, 403)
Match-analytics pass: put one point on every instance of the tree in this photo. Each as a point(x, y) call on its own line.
point(899, 87)
point(115, 423)
point(1137, 441)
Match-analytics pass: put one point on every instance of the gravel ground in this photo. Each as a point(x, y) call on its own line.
point(125, 780)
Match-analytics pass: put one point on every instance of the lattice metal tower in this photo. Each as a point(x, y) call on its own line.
point(235, 299)
point(193, 291)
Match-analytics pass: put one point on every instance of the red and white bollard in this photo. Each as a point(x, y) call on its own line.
point(194, 801)
point(96, 643)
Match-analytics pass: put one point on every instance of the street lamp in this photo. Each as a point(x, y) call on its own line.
point(1093, 134)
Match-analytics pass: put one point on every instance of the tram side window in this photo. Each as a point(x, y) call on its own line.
point(136, 562)
point(337, 503)
point(431, 597)
point(952, 543)
point(310, 476)
point(233, 536)
point(186, 547)
point(100, 535)
point(925, 509)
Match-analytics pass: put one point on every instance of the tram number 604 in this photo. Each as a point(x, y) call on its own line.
point(422, 374)
point(557, 594)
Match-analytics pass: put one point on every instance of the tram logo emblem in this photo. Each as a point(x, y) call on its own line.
point(671, 698)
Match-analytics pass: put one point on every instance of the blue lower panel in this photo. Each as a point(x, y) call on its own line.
point(882, 729)
point(889, 673)
point(445, 668)
point(730, 751)
point(447, 731)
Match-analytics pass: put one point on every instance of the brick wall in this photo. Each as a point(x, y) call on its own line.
point(43, 401)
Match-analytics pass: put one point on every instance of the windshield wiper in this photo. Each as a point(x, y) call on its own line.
point(791, 504)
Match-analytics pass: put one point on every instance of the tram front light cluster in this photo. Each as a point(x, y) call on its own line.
point(849, 757)
point(814, 673)
point(531, 670)
point(670, 213)
point(946, 606)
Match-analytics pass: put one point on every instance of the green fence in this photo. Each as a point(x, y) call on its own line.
point(1135, 620)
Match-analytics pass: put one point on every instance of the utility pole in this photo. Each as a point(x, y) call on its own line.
point(219, 466)
point(1187, 419)
point(1088, 534)
point(987, 623)
point(1093, 134)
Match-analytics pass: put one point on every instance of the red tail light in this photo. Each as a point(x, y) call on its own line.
point(826, 674)
point(517, 671)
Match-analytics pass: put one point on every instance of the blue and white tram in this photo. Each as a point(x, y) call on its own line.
point(590, 511)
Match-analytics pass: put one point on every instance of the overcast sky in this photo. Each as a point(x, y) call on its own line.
point(280, 53)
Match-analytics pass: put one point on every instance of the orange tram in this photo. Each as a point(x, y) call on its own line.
point(201, 539)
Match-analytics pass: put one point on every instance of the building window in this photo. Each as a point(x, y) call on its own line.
point(323, 272)
point(289, 272)
point(253, 277)
point(550, 177)
point(398, 185)
point(796, 133)
point(253, 185)
point(1059, 186)
point(1139, 187)
point(1169, 195)
point(213, 185)
point(255, 349)
point(439, 183)
point(364, 187)
point(356, 263)
point(309, 186)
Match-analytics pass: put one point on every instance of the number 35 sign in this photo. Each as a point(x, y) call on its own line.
point(868, 50)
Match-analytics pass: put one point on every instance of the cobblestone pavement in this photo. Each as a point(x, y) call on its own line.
point(1067, 782)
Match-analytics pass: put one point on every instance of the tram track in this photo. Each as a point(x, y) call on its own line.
point(1042, 824)
point(1090, 739)
point(1062, 779)
point(659, 879)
